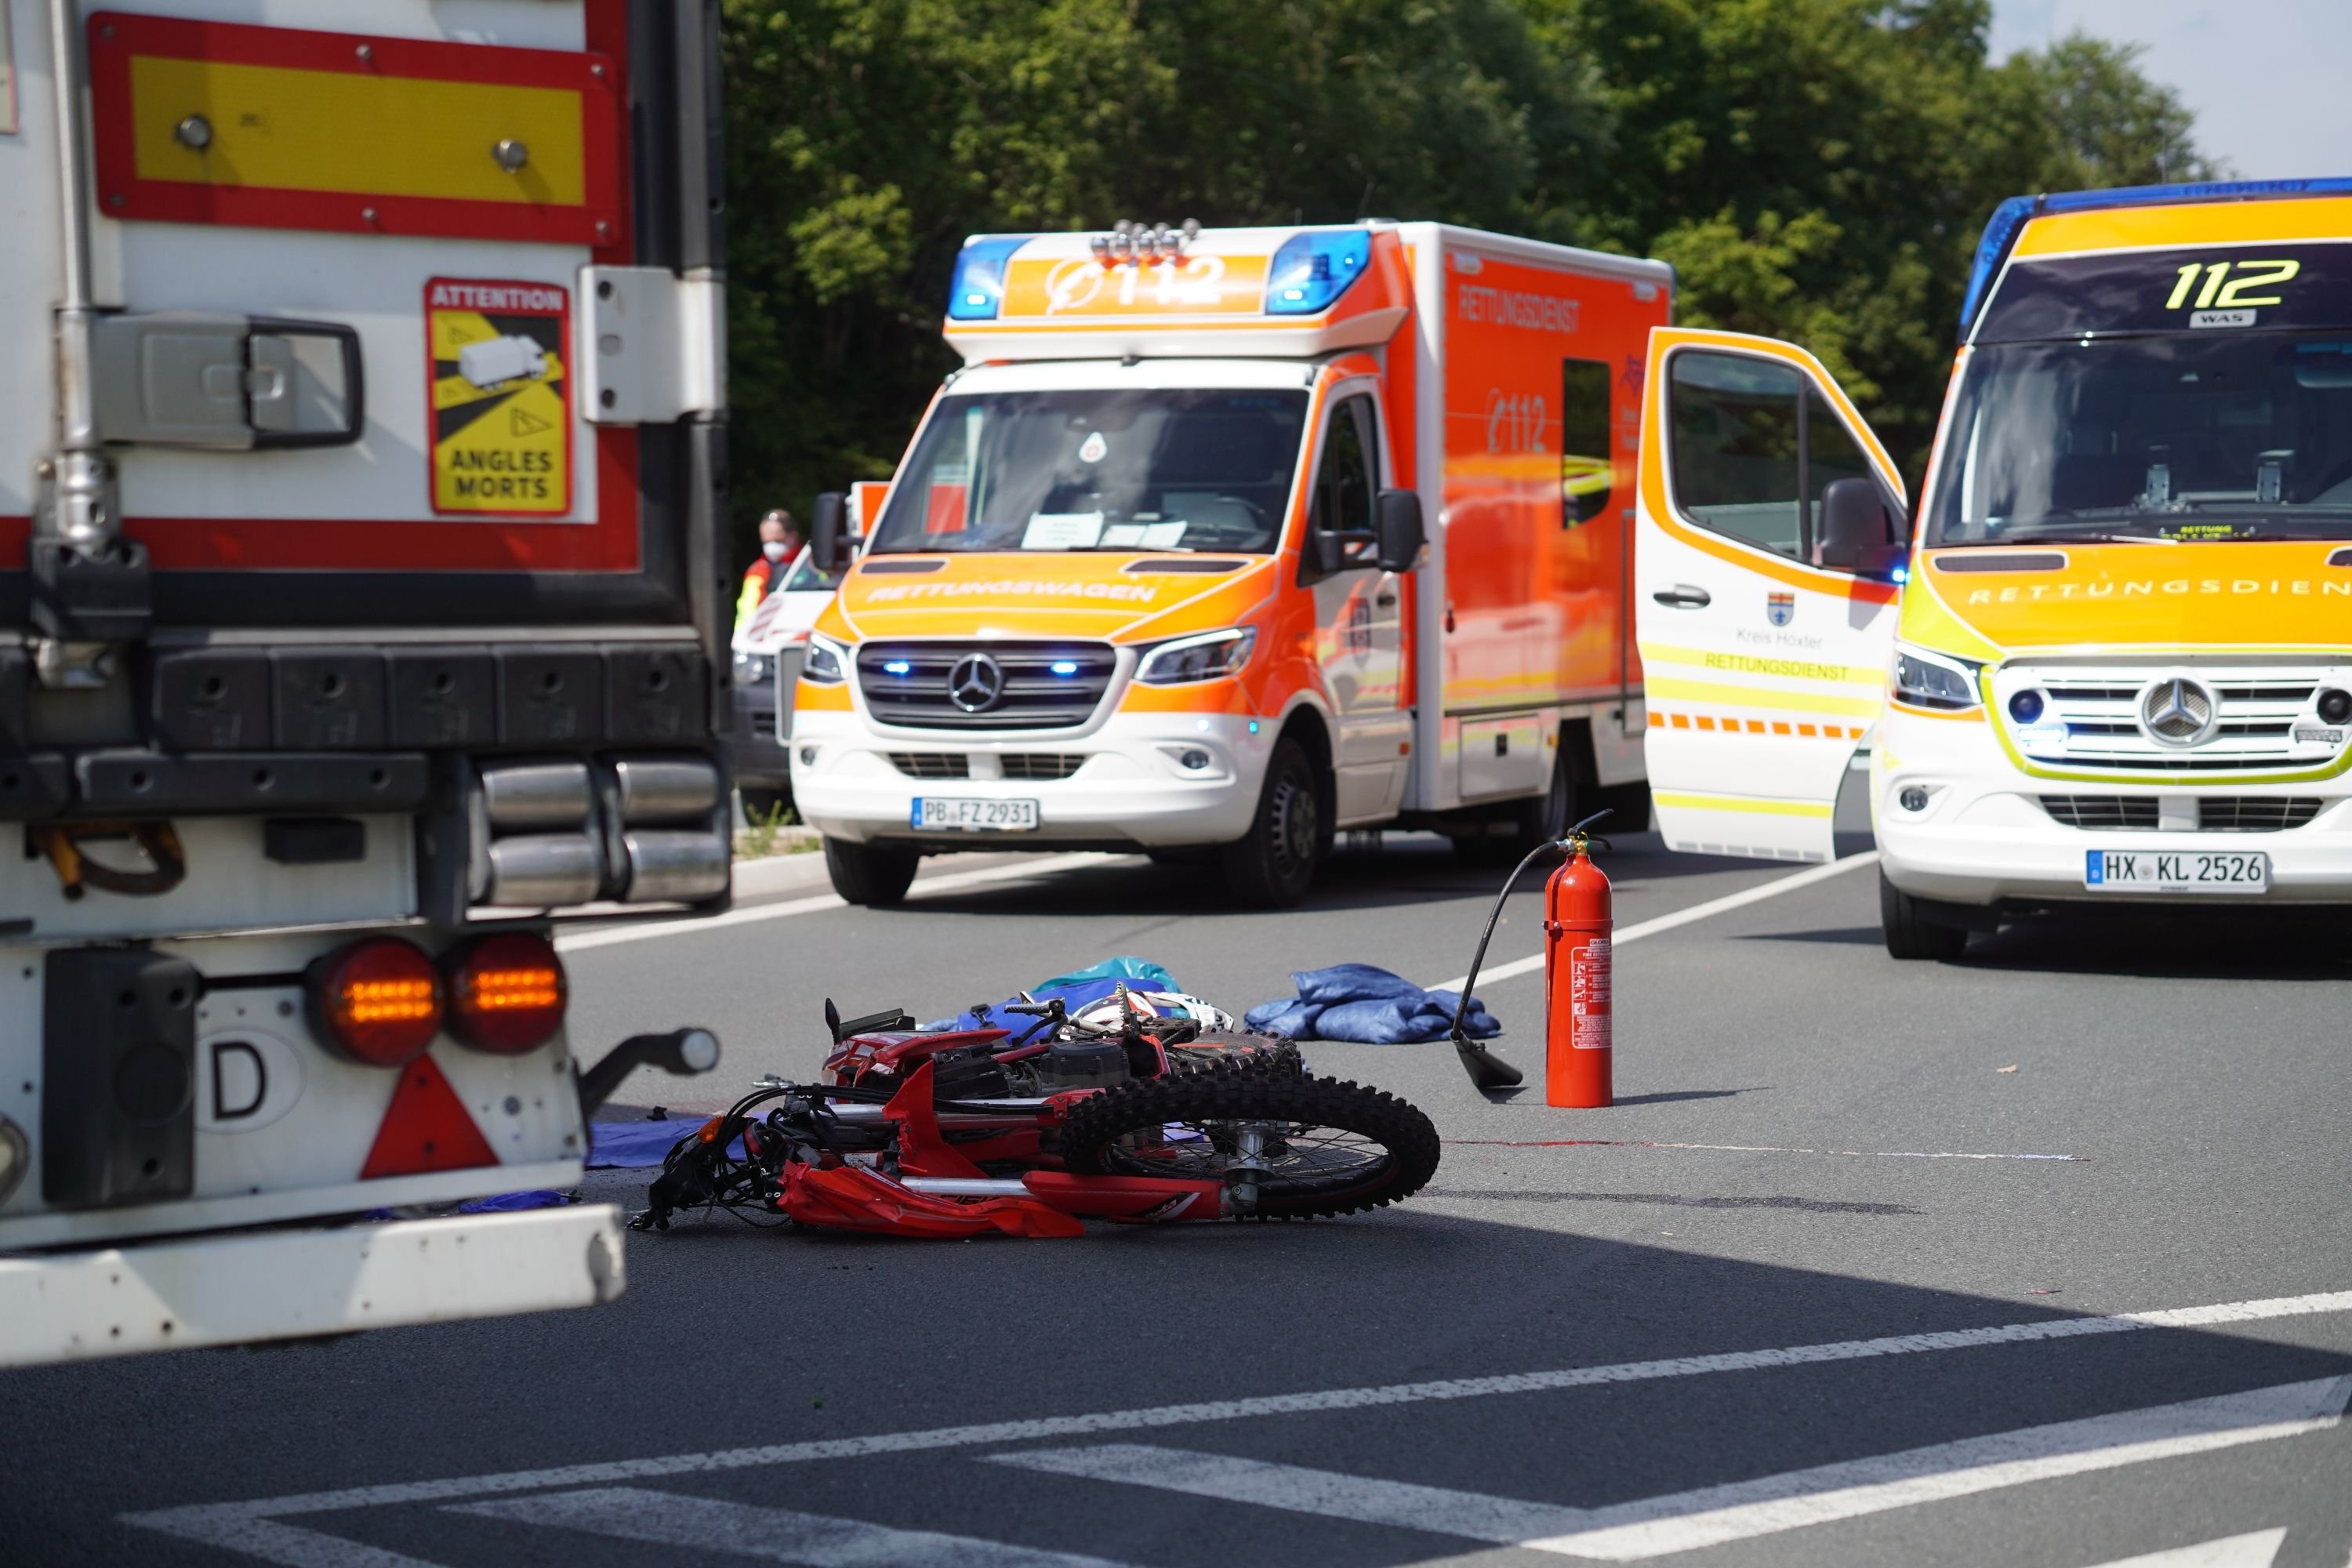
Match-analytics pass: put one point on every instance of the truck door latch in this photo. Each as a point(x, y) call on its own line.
point(226, 382)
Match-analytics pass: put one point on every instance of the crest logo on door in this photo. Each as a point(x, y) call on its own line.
point(1781, 609)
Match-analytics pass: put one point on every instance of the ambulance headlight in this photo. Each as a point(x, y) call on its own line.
point(827, 663)
point(1935, 680)
point(1204, 658)
point(753, 668)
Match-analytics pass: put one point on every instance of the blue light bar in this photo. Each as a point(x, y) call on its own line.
point(1064, 667)
point(2009, 217)
point(899, 667)
point(1313, 269)
point(977, 290)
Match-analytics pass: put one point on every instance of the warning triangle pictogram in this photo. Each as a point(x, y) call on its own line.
point(425, 1129)
point(520, 423)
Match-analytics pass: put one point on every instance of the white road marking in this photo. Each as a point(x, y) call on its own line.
point(2255, 1550)
point(229, 1523)
point(1825, 1493)
point(1741, 1149)
point(1365, 1500)
point(780, 1535)
point(608, 936)
point(1640, 929)
point(1710, 1516)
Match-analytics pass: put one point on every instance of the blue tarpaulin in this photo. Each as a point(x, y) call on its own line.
point(1371, 1006)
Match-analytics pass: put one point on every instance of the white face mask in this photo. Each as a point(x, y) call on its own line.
point(774, 549)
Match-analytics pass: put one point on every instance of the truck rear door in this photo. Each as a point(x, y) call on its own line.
point(1763, 669)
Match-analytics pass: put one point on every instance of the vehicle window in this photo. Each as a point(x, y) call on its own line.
point(806, 578)
point(1583, 440)
point(1348, 477)
point(1831, 454)
point(2210, 435)
point(1734, 422)
point(1098, 470)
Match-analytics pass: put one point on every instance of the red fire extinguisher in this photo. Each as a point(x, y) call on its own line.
point(1576, 923)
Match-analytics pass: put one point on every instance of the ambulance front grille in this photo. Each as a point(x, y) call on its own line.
point(1035, 685)
point(2092, 718)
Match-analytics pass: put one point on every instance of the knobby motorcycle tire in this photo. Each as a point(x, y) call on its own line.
point(1090, 1137)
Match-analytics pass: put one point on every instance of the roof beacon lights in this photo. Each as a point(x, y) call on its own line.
point(1314, 268)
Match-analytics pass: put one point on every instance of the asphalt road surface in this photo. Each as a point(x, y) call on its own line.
point(2042, 1259)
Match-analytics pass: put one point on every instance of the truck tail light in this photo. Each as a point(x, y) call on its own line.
point(377, 1000)
point(507, 993)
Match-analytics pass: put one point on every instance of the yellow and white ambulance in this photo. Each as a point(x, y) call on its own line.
point(2110, 655)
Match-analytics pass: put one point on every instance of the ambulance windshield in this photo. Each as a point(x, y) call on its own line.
point(1101, 469)
point(2170, 438)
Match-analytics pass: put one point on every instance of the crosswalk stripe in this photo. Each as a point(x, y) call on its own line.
point(1743, 1509)
point(1231, 1478)
point(777, 1534)
point(206, 1521)
point(1709, 1516)
point(2257, 1549)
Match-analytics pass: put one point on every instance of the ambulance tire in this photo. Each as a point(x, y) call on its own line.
point(1909, 934)
point(871, 874)
point(1274, 865)
point(1529, 824)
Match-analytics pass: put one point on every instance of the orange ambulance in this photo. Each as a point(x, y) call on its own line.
point(1224, 540)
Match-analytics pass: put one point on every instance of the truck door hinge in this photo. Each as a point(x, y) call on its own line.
point(652, 344)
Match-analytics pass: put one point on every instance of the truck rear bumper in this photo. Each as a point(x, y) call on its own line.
point(293, 1284)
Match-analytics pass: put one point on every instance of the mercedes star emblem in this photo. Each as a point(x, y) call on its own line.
point(975, 683)
point(2176, 711)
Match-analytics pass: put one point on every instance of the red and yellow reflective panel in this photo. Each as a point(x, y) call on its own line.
point(278, 127)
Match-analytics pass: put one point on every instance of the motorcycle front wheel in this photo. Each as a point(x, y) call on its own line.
point(1297, 1147)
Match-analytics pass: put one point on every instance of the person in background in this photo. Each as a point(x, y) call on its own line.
point(780, 541)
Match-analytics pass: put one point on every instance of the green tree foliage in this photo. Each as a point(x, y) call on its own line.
point(1814, 169)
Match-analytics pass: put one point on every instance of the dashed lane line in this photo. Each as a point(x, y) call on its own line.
point(1665, 922)
point(241, 1525)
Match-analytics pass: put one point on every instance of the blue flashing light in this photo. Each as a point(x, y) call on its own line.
point(1064, 667)
point(2001, 232)
point(1253, 726)
point(1313, 269)
point(977, 289)
point(899, 667)
point(1902, 576)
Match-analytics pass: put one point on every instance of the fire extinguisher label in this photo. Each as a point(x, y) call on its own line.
point(1588, 995)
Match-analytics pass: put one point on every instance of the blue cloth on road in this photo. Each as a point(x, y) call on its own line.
point(627, 1145)
point(1124, 967)
point(1369, 1006)
point(1078, 990)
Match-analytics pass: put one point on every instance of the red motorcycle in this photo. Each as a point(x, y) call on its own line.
point(1034, 1125)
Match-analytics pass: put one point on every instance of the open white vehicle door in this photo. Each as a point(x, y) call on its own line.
point(1763, 669)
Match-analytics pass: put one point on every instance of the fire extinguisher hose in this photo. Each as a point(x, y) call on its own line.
point(1488, 1070)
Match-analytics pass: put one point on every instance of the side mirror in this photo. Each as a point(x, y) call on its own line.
point(1396, 522)
point(827, 521)
point(1857, 533)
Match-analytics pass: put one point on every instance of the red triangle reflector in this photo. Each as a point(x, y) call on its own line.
point(426, 1129)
